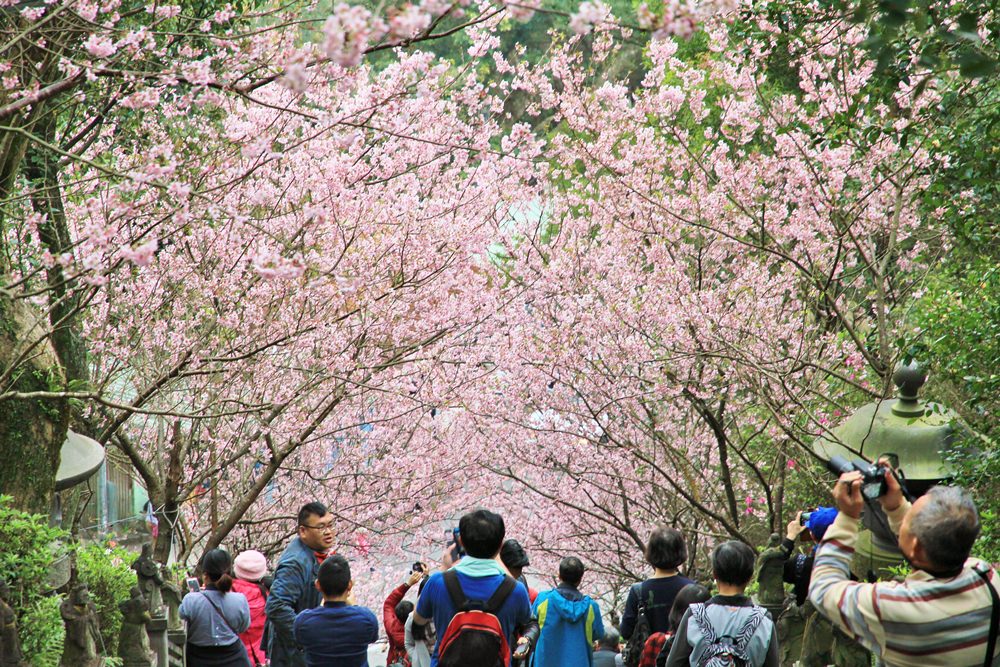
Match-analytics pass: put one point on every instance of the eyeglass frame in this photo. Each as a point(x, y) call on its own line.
point(323, 529)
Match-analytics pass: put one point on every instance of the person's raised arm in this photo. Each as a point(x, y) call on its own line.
point(850, 605)
point(894, 503)
point(393, 626)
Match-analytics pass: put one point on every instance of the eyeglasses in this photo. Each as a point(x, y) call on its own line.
point(324, 528)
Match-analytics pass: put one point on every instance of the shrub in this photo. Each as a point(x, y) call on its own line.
point(42, 632)
point(106, 571)
point(27, 553)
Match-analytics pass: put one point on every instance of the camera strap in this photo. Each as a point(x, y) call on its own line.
point(991, 643)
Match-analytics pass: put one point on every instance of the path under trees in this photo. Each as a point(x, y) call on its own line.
point(413, 261)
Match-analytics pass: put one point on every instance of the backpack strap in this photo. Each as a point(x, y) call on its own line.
point(638, 588)
point(700, 616)
point(455, 591)
point(500, 595)
point(749, 629)
point(462, 603)
point(991, 642)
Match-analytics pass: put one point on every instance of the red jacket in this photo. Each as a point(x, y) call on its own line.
point(394, 629)
point(251, 638)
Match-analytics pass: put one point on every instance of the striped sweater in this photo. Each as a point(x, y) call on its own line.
point(920, 622)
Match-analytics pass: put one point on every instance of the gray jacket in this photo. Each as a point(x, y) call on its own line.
point(205, 624)
point(292, 591)
point(418, 650)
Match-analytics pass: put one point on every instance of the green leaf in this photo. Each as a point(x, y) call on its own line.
point(975, 64)
point(968, 22)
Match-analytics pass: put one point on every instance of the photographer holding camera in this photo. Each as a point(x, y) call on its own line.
point(395, 611)
point(946, 612)
point(798, 569)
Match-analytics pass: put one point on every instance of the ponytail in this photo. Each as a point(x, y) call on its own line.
point(216, 565)
point(224, 583)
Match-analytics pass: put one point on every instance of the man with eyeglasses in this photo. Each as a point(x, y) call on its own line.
point(294, 589)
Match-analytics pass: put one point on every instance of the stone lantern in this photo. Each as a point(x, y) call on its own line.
point(916, 433)
point(80, 457)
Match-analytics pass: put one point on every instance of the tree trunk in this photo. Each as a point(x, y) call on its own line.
point(42, 170)
point(31, 431)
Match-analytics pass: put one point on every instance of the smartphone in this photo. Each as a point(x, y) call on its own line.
point(193, 585)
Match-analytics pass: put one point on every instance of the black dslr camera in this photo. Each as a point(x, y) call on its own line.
point(804, 518)
point(872, 475)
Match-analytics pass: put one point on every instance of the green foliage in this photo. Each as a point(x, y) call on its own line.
point(960, 316)
point(947, 36)
point(42, 632)
point(27, 553)
point(106, 571)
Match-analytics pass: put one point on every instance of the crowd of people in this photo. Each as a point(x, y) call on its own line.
point(477, 609)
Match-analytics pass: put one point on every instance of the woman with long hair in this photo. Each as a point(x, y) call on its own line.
point(215, 617)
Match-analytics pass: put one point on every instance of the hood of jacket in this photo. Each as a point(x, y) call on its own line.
point(570, 610)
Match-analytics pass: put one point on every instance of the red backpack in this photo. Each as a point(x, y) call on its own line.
point(474, 637)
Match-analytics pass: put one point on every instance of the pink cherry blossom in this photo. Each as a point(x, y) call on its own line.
point(100, 46)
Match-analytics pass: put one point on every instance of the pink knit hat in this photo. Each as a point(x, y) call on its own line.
point(250, 565)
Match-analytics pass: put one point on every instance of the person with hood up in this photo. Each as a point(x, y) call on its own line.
point(569, 621)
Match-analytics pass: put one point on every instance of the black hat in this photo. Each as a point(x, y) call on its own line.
point(512, 554)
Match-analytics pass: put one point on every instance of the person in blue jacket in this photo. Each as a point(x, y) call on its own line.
point(294, 587)
point(570, 621)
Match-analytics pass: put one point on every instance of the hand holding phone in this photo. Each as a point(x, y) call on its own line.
point(193, 585)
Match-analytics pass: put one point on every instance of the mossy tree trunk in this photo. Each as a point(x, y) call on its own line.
point(40, 348)
point(31, 430)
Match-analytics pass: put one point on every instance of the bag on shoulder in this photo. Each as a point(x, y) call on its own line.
point(474, 637)
point(726, 650)
point(632, 653)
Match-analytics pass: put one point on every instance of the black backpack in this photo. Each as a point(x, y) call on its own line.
point(632, 652)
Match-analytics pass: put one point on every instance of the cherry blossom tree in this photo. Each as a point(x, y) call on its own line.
point(717, 273)
point(268, 272)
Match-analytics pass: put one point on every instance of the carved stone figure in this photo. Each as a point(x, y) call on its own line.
point(133, 642)
point(10, 643)
point(147, 571)
point(770, 568)
point(790, 627)
point(172, 599)
point(82, 630)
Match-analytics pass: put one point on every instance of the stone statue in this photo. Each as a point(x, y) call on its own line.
point(10, 643)
point(172, 595)
point(133, 642)
point(790, 627)
point(147, 572)
point(82, 630)
point(770, 570)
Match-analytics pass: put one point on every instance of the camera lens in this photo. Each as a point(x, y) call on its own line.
point(838, 465)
